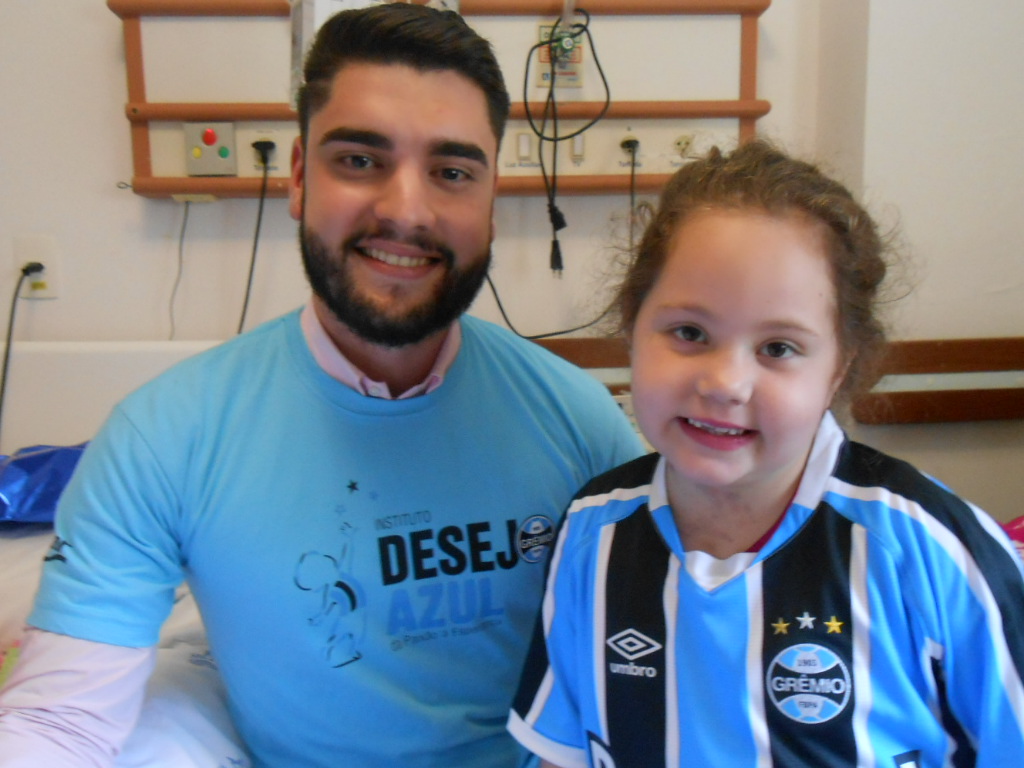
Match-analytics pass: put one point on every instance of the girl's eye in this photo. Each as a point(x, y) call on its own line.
point(690, 333)
point(779, 349)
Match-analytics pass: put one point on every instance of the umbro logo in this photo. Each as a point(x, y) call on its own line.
point(632, 645)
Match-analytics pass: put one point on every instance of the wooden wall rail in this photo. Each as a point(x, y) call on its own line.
point(746, 109)
point(955, 356)
point(944, 357)
point(925, 357)
point(277, 186)
point(135, 8)
point(140, 112)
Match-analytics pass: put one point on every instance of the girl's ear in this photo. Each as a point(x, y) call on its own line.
point(841, 371)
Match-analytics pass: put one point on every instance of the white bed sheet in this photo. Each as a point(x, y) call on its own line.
point(184, 721)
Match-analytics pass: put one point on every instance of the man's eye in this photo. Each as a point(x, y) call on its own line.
point(690, 333)
point(454, 174)
point(357, 162)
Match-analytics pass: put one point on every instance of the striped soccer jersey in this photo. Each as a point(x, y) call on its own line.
point(882, 624)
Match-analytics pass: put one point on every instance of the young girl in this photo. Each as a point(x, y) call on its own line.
point(763, 591)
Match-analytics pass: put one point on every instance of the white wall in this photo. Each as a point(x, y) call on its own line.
point(915, 103)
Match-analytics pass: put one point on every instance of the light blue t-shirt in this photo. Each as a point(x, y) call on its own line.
point(368, 570)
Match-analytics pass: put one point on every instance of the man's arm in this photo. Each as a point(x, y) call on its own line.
point(70, 703)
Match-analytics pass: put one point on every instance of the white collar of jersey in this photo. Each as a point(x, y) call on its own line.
point(711, 572)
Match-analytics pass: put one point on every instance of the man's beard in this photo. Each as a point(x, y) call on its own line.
point(330, 278)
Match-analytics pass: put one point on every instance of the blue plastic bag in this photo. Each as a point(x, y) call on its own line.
point(32, 479)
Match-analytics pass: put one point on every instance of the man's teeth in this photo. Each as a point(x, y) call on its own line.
point(395, 259)
point(716, 430)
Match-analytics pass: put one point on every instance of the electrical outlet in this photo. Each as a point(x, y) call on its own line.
point(630, 144)
point(43, 249)
point(567, 50)
point(683, 144)
point(210, 149)
point(270, 147)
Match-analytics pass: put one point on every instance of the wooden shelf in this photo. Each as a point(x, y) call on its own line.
point(127, 9)
point(277, 186)
point(747, 109)
point(143, 112)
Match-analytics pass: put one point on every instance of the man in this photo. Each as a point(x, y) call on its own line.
point(361, 495)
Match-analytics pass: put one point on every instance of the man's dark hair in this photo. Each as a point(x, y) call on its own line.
point(401, 33)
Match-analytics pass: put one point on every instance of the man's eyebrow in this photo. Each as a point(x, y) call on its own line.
point(357, 136)
point(460, 149)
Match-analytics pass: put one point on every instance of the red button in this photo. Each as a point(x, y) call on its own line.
point(209, 137)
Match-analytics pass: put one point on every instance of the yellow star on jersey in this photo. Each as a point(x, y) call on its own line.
point(781, 627)
point(835, 626)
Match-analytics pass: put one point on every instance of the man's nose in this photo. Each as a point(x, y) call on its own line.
point(404, 201)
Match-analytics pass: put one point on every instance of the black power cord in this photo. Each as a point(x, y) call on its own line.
point(534, 337)
point(31, 268)
point(631, 145)
point(559, 44)
point(264, 147)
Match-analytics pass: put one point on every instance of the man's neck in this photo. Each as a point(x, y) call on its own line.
point(398, 367)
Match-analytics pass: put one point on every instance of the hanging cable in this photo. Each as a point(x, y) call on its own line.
point(578, 30)
point(550, 114)
point(181, 263)
point(631, 146)
point(536, 336)
point(31, 268)
point(558, 45)
point(264, 148)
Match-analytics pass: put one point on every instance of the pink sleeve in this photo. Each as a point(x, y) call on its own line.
point(70, 703)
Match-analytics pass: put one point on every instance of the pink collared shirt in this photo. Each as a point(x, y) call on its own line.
point(330, 358)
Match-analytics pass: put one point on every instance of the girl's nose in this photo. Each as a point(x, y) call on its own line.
point(728, 378)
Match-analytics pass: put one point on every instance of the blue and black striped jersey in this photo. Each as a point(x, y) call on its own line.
point(882, 624)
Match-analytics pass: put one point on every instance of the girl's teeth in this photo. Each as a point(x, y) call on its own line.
point(716, 430)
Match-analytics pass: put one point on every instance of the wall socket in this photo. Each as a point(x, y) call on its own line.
point(41, 248)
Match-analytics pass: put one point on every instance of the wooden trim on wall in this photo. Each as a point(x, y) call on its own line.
point(608, 184)
point(134, 8)
point(141, 151)
point(932, 356)
point(748, 109)
point(143, 112)
point(939, 407)
point(139, 110)
point(128, 9)
point(613, 7)
point(955, 355)
point(748, 73)
point(207, 187)
point(159, 187)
